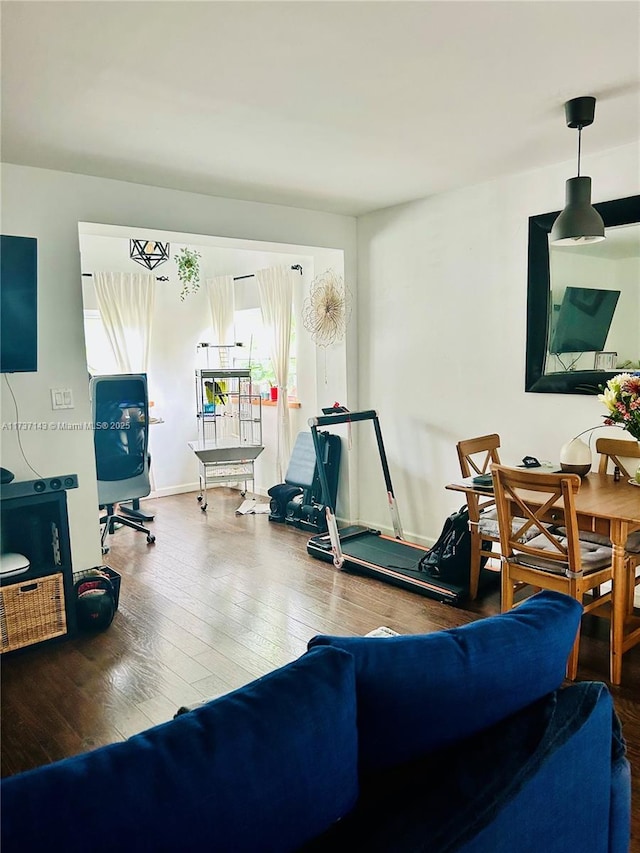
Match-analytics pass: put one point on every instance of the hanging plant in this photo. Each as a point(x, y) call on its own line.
point(188, 262)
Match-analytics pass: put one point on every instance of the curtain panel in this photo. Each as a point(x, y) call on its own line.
point(275, 288)
point(126, 301)
point(222, 306)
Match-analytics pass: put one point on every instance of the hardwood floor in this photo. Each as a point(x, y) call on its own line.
point(219, 600)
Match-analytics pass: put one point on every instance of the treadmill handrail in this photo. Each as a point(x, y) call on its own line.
point(342, 418)
point(346, 417)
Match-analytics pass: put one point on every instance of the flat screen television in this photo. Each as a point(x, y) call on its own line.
point(584, 320)
point(18, 304)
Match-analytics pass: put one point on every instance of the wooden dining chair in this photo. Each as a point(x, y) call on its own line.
point(476, 455)
point(617, 452)
point(563, 563)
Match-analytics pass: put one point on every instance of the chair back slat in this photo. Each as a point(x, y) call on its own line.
point(531, 515)
point(476, 455)
point(616, 450)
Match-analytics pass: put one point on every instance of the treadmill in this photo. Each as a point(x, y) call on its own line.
point(368, 551)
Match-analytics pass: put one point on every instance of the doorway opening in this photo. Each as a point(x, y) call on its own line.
point(178, 326)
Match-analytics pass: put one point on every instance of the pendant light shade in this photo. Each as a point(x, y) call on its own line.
point(579, 222)
point(148, 253)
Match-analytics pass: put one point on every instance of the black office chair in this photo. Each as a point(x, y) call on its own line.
point(120, 410)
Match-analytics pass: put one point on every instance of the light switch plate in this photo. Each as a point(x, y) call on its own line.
point(61, 398)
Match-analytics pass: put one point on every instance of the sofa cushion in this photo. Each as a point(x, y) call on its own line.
point(477, 794)
point(420, 692)
point(488, 525)
point(265, 768)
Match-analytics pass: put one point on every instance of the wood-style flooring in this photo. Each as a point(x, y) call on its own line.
point(217, 601)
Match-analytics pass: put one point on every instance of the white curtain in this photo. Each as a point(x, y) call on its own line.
point(275, 287)
point(221, 303)
point(126, 304)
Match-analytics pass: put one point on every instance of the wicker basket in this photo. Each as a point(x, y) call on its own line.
point(32, 611)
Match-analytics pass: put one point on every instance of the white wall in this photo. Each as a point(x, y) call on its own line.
point(442, 327)
point(49, 205)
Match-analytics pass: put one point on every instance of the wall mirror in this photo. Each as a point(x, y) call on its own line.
point(583, 304)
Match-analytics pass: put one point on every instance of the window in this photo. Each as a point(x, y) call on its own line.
point(100, 357)
point(251, 332)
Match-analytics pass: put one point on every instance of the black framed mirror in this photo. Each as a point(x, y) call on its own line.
point(547, 369)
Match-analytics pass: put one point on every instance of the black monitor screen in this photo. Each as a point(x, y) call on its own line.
point(584, 320)
point(18, 304)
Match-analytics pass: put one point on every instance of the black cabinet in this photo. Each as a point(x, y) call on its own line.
point(38, 604)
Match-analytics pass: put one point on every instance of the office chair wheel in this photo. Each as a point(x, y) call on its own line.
point(199, 499)
point(151, 539)
point(104, 549)
point(204, 507)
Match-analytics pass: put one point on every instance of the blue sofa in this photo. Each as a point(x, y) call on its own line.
point(457, 740)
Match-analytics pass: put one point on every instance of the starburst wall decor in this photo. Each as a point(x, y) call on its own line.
point(327, 309)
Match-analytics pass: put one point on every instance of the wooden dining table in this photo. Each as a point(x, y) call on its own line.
point(610, 508)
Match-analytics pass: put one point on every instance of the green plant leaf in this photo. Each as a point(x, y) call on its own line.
point(188, 264)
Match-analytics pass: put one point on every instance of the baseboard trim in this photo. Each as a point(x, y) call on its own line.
point(424, 541)
point(172, 490)
point(167, 491)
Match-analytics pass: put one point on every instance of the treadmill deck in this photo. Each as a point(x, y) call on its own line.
point(389, 559)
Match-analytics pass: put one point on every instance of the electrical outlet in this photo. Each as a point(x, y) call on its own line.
point(61, 398)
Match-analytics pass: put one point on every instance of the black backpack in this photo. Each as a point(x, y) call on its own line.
point(450, 557)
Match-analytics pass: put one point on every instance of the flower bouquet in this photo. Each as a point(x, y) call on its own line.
point(622, 398)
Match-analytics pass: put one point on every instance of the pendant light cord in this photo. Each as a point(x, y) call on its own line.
point(579, 146)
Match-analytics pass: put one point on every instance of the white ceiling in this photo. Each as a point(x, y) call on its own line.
point(339, 106)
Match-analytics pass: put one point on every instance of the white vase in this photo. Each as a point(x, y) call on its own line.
point(575, 457)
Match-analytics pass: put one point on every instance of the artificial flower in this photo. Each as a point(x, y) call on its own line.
point(621, 396)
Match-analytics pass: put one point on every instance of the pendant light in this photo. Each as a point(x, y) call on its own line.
point(579, 222)
point(149, 253)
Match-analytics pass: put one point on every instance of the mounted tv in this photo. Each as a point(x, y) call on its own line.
point(18, 304)
point(584, 320)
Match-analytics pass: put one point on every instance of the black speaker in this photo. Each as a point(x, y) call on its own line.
point(23, 488)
